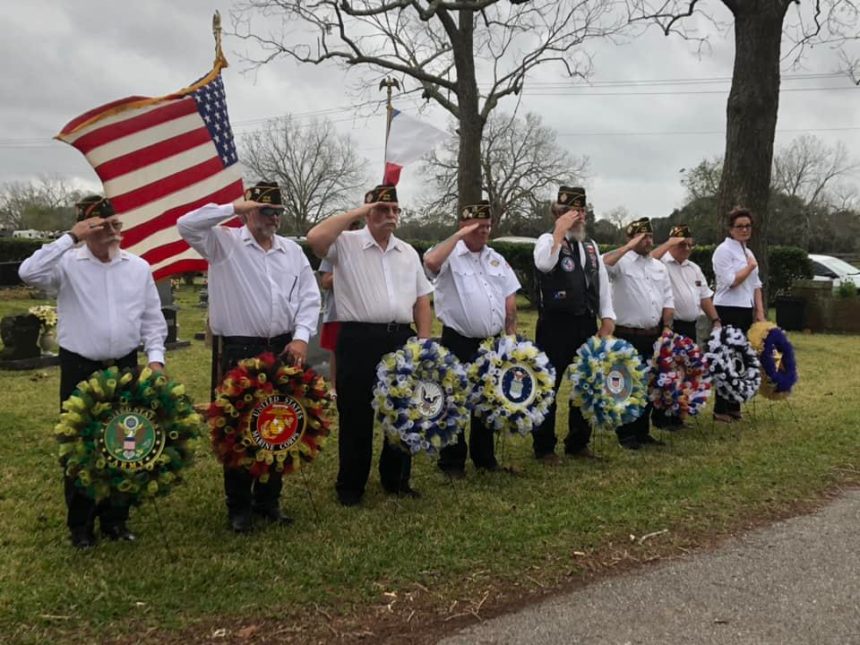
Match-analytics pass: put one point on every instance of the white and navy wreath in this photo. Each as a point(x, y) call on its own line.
point(420, 396)
point(776, 354)
point(512, 384)
point(680, 381)
point(608, 377)
point(733, 363)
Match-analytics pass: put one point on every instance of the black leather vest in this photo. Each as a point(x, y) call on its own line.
point(569, 288)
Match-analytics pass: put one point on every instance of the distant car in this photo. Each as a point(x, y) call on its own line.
point(515, 239)
point(826, 267)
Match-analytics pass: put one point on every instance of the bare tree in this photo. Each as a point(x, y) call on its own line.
point(521, 165)
point(318, 169)
point(46, 203)
point(760, 27)
point(465, 55)
point(703, 180)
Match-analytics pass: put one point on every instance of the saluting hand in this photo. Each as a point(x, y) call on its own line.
point(245, 206)
point(634, 241)
point(564, 222)
point(296, 352)
point(463, 232)
point(85, 228)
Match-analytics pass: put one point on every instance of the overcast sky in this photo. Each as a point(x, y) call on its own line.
point(63, 58)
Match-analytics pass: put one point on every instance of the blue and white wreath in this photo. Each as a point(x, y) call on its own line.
point(734, 365)
point(512, 384)
point(608, 377)
point(776, 354)
point(420, 396)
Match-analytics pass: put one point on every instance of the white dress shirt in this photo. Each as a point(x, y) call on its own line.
point(640, 290)
point(545, 261)
point(104, 309)
point(729, 258)
point(689, 287)
point(375, 285)
point(252, 292)
point(471, 288)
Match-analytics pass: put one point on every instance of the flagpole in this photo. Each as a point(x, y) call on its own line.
point(216, 32)
point(388, 83)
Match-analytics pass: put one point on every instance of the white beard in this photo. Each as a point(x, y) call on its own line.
point(577, 234)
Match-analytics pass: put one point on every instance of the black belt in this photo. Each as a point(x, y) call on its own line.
point(638, 331)
point(281, 340)
point(388, 328)
point(107, 362)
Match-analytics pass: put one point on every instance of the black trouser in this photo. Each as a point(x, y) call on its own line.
point(360, 347)
point(685, 328)
point(453, 457)
point(559, 336)
point(742, 318)
point(638, 429)
point(82, 510)
point(242, 491)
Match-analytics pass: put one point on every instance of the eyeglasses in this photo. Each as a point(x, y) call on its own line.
point(743, 226)
point(114, 226)
point(270, 211)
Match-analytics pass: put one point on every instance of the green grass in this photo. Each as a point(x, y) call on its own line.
point(489, 531)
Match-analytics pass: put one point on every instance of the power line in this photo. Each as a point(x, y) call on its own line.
point(694, 133)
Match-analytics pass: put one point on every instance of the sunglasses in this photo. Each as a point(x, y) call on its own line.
point(270, 211)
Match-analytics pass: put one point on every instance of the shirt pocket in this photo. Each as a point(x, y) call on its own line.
point(467, 280)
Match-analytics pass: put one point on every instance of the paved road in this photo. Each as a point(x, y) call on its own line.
point(797, 581)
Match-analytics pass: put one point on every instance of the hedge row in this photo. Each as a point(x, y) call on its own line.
point(787, 263)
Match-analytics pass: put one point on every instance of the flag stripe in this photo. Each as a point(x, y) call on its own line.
point(167, 220)
point(169, 185)
point(151, 154)
point(180, 266)
point(127, 145)
point(66, 133)
point(102, 135)
point(168, 243)
point(227, 178)
point(161, 170)
point(188, 254)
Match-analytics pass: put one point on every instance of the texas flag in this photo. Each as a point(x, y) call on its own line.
point(408, 140)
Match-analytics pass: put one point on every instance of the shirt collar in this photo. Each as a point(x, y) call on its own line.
point(84, 253)
point(367, 241)
point(670, 258)
point(277, 243)
point(462, 249)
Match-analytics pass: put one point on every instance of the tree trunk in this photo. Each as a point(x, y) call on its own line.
point(471, 123)
point(751, 116)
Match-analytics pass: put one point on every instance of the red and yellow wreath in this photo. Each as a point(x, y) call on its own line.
point(269, 416)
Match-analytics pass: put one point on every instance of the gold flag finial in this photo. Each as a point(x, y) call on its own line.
point(216, 31)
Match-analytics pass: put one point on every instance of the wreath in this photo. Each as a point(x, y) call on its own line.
point(734, 366)
point(680, 381)
point(126, 435)
point(608, 377)
point(420, 396)
point(269, 416)
point(776, 355)
point(513, 384)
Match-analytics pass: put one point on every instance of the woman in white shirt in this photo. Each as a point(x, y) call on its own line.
point(738, 297)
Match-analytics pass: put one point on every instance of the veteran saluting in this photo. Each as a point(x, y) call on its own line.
point(573, 291)
point(380, 290)
point(263, 297)
point(475, 299)
point(107, 305)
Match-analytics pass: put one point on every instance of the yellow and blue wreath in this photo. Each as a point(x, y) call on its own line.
point(734, 365)
point(776, 355)
point(608, 378)
point(512, 383)
point(127, 435)
point(420, 396)
point(680, 381)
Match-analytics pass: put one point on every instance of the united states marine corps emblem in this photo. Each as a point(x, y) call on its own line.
point(277, 423)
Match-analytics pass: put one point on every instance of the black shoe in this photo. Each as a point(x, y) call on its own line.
point(454, 473)
point(582, 453)
point(348, 499)
point(83, 538)
point(404, 491)
point(496, 468)
point(274, 515)
point(240, 522)
point(630, 444)
point(118, 532)
point(648, 440)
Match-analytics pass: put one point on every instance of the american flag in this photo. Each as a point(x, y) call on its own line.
point(159, 158)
